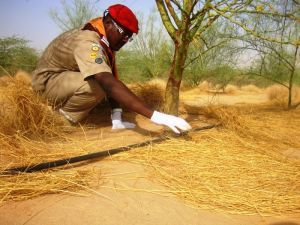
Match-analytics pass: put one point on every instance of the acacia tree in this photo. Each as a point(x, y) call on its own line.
point(151, 49)
point(187, 20)
point(75, 14)
point(15, 54)
point(152, 46)
point(277, 61)
point(276, 64)
point(214, 52)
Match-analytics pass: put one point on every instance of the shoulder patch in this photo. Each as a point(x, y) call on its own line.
point(95, 48)
point(98, 60)
point(93, 55)
point(97, 53)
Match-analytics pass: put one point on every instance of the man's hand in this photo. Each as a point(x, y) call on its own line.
point(172, 122)
point(116, 119)
point(118, 124)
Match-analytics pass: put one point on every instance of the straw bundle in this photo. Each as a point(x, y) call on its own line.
point(23, 115)
point(24, 112)
point(229, 117)
point(27, 124)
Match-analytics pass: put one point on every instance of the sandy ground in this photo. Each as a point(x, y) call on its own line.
point(121, 199)
point(126, 195)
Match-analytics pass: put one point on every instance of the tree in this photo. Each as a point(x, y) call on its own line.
point(74, 15)
point(152, 47)
point(188, 20)
point(15, 54)
point(277, 61)
point(213, 56)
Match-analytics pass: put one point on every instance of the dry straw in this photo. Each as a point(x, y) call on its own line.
point(25, 186)
point(24, 112)
point(251, 88)
point(278, 95)
point(30, 132)
point(231, 89)
point(239, 168)
point(152, 93)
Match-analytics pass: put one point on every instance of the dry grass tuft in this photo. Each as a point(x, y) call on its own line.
point(152, 93)
point(205, 86)
point(202, 89)
point(228, 116)
point(23, 77)
point(278, 95)
point(26, 128)
point(251, 88)
point(231, 89)
point(4, 80)
point(257, 123)
point(25, 113)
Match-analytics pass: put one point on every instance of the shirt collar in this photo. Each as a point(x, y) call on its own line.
point(105, 41)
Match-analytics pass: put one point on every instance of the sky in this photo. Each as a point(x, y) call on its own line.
point(30, 19)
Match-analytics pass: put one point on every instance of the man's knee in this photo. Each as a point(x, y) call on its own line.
point(93, 90)
point(82, 102)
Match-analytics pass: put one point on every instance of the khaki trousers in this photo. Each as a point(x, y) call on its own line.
point(76, 97)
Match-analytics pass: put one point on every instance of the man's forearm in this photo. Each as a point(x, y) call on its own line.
point(122, 95)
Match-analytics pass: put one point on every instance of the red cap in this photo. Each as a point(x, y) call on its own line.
point(124, 16)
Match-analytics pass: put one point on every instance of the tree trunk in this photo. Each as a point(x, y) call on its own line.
point(175, 77)
point(290, 95)
point(291, 80)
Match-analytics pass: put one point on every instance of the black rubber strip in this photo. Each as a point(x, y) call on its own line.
point(61, 162)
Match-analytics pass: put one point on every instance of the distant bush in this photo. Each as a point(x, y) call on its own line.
point(278, 94)
point(15, 54)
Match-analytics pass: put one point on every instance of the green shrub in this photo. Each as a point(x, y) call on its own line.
point(15, 54)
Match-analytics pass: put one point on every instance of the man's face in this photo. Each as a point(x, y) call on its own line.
point(118, 36)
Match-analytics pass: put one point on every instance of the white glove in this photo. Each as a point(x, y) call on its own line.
point(116, 119)
point(172, 122)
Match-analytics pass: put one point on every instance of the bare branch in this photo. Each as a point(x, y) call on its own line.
point(254, 32)
point(166, 19)
point(204, 27)
point(268, 78)
point(173, 13)
point(203, 52)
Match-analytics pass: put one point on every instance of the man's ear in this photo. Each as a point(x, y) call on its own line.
point(107, 19)
point(107, 22)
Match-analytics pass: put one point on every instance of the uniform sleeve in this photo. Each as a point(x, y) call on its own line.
point(90, 58)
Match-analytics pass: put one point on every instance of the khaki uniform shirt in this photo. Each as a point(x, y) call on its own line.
point(76, 50)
